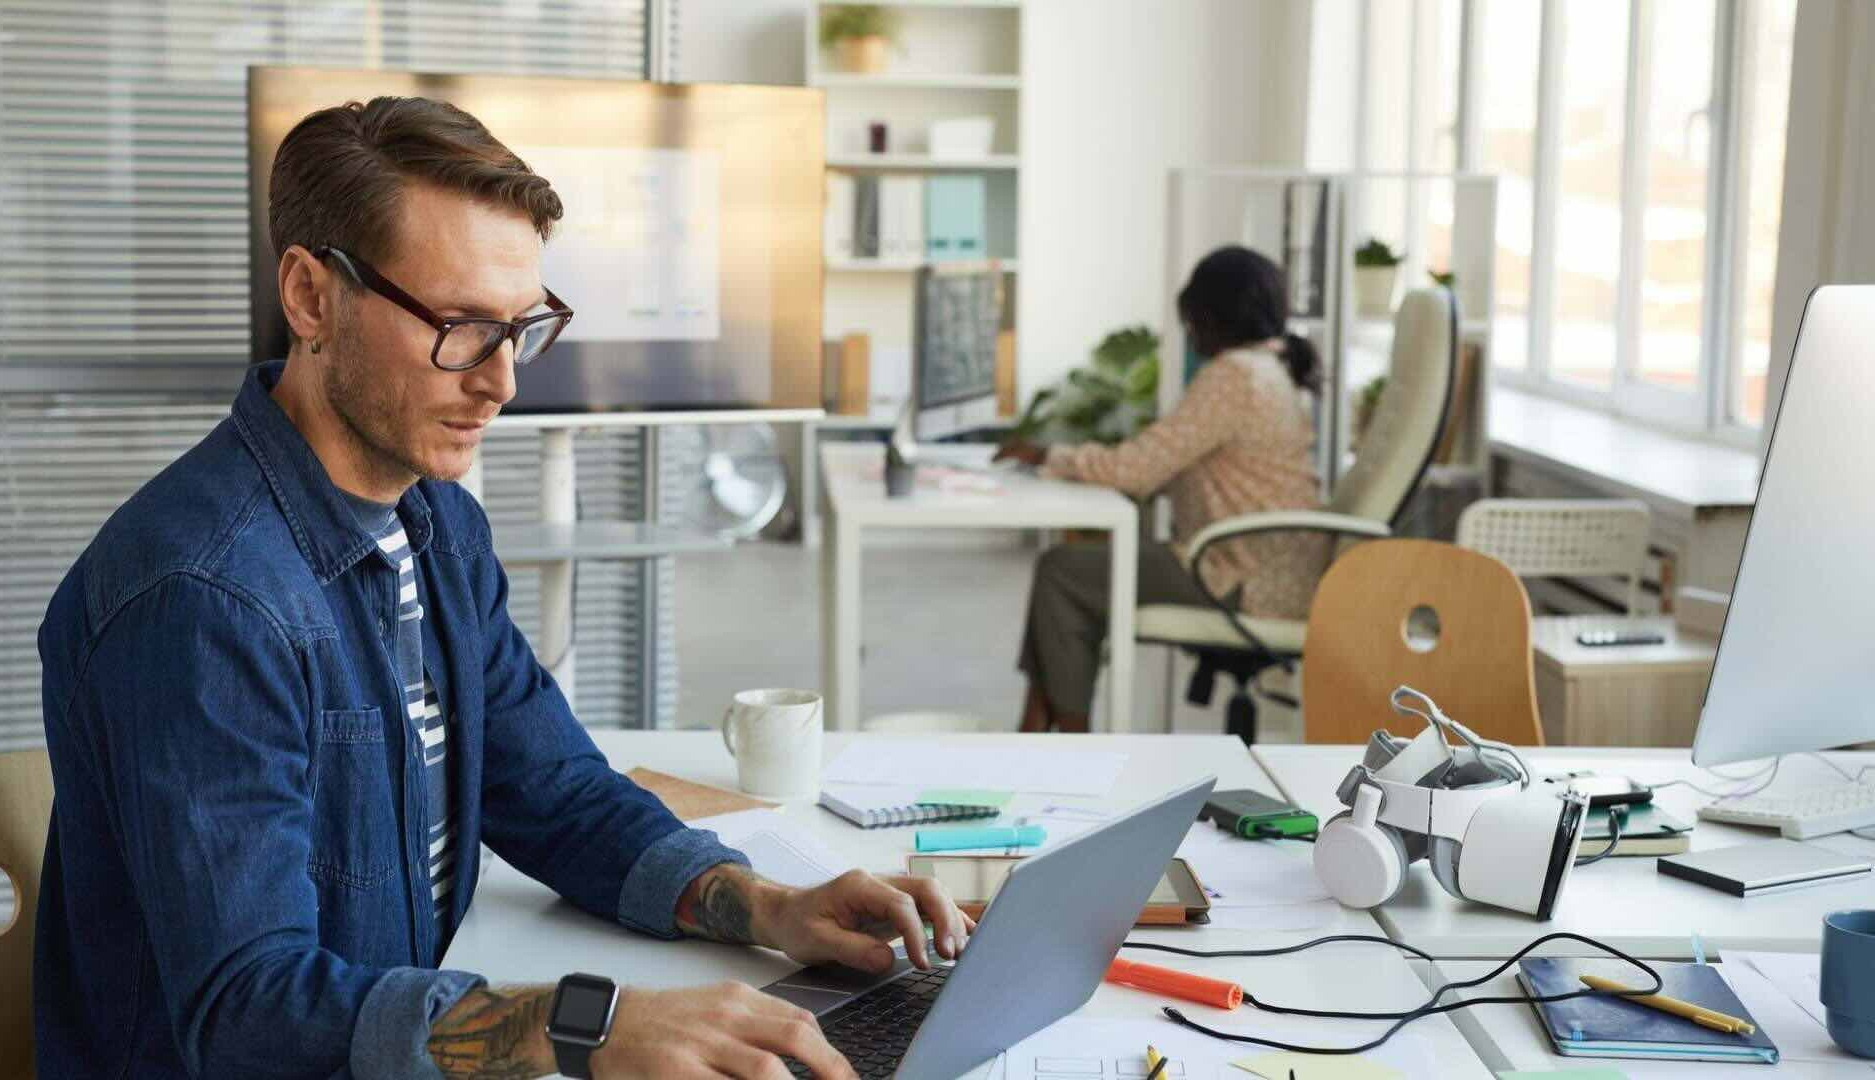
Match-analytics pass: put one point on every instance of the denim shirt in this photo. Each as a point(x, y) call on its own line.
point(236, 882)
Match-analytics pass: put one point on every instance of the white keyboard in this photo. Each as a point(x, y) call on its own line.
point(1824, 809)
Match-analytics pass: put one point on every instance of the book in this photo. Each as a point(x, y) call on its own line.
point(1647, 830)
point(884, 807)
point(1603, 1026)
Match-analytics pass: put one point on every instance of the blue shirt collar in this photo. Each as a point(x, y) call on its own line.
point(327, 532)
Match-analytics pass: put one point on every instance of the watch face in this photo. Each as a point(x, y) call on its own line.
point(582, 1008)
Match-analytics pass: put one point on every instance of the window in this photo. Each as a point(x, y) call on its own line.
point(1639, 150)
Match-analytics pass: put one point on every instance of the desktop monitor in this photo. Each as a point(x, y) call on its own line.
point(959, 312)
point(1795, 669)
point(690, 249)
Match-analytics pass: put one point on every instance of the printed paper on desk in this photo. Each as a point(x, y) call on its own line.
point(1786, 1005)
point(1251, 873)
point(1105, 1048)
point(1282, 1064)
point(921, 764)
point(778, 849)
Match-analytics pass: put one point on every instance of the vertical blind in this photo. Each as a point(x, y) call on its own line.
point(123, 273)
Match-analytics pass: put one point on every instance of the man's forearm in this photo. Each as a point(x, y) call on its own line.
point(726, 903)
point(495, 1034)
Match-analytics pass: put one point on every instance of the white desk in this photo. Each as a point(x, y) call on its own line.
point(516, 931)
point(1509, 1036)
point(1625, 900)
point(855, 497)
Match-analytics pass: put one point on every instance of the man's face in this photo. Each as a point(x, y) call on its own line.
point(458, 256)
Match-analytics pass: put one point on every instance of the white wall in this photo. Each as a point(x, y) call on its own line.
point(1827, 232)
point(1115, 94)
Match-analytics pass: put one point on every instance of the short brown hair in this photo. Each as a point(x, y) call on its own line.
point(339, 175)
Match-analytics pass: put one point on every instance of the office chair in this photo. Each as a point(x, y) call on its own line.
point(25, 811)
point(1562, 537)
point(1450, 623)
point(1394, 454)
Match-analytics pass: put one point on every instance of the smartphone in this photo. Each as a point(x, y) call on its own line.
point(1610, 790)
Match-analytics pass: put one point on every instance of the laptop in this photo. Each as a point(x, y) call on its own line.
point(1038, 953)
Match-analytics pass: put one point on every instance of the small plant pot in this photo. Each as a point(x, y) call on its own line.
point(863, 55)
point(1373, 290)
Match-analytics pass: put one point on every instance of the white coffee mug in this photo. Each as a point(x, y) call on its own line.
point(774, 735)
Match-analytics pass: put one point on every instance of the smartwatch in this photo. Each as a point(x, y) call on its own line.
point(579, 1021)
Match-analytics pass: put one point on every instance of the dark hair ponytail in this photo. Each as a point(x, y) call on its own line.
point(1237, 297)
point(1303, 361)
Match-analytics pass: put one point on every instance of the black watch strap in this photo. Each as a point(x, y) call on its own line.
point(572, 1059)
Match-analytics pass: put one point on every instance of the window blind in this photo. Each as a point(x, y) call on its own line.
point(123, 190)
point(123, 277)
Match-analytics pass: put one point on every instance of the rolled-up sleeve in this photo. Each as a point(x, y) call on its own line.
point(203, 758)
point(392, 1038)
point(556, 810)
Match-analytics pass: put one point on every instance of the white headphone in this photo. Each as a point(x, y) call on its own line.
point(1470, 811)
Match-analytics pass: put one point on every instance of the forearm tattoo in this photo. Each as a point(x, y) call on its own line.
point(495, 1035)
point(717, 906)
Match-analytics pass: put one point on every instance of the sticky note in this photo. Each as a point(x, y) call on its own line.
point(1317, 1067)
point(965, 797)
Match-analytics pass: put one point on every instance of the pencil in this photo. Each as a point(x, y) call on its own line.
point(1156, 1061)
point(1686, 1010)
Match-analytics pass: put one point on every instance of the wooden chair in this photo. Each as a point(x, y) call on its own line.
point(25, 811)
point(1368, 634)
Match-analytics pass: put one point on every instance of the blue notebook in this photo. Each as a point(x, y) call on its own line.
point(1603, 1026)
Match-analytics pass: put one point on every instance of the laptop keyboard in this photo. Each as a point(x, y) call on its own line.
point(874, 1029)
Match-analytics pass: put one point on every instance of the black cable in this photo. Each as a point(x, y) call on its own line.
point(1616, 816)
point(1432, 1007)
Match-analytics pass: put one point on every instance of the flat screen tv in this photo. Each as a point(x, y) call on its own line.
point(691, 246)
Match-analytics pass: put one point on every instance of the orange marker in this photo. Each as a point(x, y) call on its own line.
point(1213, 992)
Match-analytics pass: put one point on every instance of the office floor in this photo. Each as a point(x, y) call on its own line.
point(941, 627)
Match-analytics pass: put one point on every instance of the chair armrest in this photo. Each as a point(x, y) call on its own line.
point(1283, 521)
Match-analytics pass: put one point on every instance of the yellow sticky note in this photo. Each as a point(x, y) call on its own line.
point(1317, 1067)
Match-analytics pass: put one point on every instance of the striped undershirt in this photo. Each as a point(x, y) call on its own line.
point(425, 711)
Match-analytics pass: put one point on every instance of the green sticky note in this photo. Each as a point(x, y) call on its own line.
point(964, 797)
point(1563, 1074)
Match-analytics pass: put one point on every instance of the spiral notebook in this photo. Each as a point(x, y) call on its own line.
point(876, 807)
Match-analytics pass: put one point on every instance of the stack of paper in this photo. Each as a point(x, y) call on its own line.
point(1258, 884)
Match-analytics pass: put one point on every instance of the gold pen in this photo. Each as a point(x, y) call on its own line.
point(1686, 1010)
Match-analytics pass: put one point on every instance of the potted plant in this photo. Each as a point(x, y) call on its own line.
point(1108, 401)
point(1447, 279)
point(859, 34)
point(1366, 400)
point(1376, 275)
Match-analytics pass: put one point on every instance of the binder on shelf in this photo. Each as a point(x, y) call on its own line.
point(954, 217)
point(855, 393)
point(901, 217)
point(866, 217)
point(837, 226)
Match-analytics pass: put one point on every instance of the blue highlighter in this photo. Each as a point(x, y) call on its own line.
point(995, 836)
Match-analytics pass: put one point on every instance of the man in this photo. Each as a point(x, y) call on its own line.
point(286, 706)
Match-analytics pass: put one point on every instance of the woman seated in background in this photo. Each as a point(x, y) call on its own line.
point(1239, 441)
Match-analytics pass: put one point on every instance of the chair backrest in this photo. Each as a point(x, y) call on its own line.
point(1365, 639)
point(25, 811)
point(1410, 415)
point(1562, 537)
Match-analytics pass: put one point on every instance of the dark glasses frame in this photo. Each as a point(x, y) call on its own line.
point(362, 272)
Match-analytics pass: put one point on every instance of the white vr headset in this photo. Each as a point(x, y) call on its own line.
point(1471, 811)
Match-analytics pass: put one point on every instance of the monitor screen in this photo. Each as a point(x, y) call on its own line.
point(690, 249)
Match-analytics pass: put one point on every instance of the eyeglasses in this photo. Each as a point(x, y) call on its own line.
point(464, 341)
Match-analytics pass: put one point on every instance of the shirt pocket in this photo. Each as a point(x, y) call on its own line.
point(355, 839)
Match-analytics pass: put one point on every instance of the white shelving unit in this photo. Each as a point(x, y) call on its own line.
point(1439, 221)
point(953, 58)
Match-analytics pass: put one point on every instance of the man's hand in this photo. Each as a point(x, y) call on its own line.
point(729, 1029)
point(849, 920)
